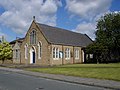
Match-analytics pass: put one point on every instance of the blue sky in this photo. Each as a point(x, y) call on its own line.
point(75, 15)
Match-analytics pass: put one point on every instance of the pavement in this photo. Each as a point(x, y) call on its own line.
point(109, 84)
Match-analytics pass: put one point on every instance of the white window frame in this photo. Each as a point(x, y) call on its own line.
point(55, 53)
point(60, 54)
point(33, 37)
point(91, 56)
point(26, 51)
point(39, 50)
point(67, 53)
point(77, 54)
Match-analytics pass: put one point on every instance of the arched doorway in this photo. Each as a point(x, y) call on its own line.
point(32, 55)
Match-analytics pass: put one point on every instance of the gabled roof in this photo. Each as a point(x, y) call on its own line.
point(56, 35)
point(20, 40)
point(60, 36)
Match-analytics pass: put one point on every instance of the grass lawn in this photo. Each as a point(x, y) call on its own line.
point(100, 71)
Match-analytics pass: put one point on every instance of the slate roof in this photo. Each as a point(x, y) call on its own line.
point(20, 40)
point(60, 36)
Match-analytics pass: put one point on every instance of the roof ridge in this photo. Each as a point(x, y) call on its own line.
point(19, 40)
point(58, 28)
point(58, 35)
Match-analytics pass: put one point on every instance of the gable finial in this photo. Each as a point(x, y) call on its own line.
point(34, 18)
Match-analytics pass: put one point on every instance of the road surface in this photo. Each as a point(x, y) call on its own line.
point(16, 81)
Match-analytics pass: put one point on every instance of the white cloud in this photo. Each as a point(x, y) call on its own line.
point(87, 28)
point(87, 9)
point(89, 12)
point(18, 13)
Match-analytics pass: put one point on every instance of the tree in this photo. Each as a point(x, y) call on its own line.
point(107, 43)
point(5, 51)
point(99, 51)
point(108, 33)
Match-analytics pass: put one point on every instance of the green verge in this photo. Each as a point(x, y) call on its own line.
point(99, 71)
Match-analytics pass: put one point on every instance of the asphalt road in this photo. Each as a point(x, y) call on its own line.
point(15, 81)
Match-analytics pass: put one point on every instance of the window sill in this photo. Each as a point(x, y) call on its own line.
point(55, 58)
point(39, 58)
point(67, 58)
point(76, 58)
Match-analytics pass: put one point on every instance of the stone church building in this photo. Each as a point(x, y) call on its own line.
point(47, 45)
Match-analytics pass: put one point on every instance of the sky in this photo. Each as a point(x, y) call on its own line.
point(76, 15)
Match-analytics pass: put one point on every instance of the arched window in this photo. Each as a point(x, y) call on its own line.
point(26, 51)
point(39, 50)
point(67, 53)
point(16, 53)
point(56, 53)
point(76, 53)
point(33, 37)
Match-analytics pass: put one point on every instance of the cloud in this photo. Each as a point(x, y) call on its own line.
point(2, 34)
point(87, 9)
point(89, 12)
point(87, 28)
point(18, 13)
